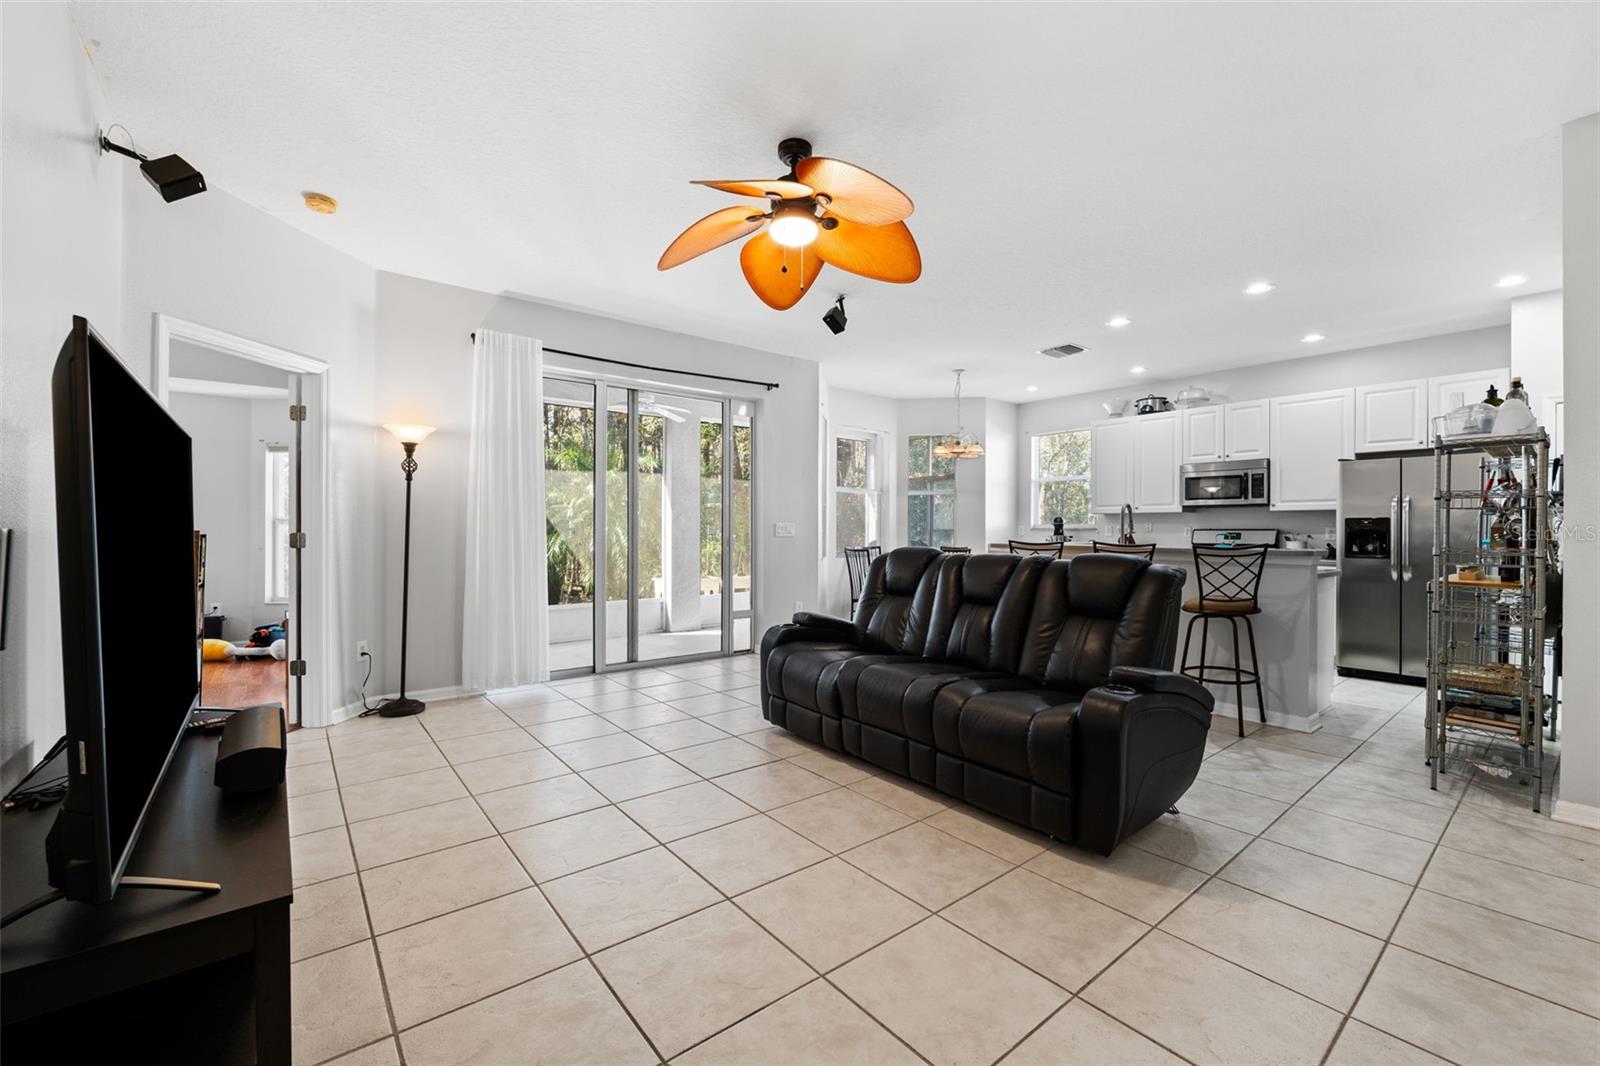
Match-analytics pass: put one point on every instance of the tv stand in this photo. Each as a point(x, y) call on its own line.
point(98, 982)
point(55, 894)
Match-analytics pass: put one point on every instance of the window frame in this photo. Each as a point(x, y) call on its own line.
point(1037, 482)
point(872, 494)
point(933, 494)
point(276, 528)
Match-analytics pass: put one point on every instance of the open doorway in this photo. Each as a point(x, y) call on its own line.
point(251, 412)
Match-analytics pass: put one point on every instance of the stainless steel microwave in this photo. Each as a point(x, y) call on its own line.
point(1241, 483)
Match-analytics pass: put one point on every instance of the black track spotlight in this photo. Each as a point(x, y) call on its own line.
point(835, 317)
point(171, 175)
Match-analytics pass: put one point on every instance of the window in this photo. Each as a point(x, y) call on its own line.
point(857, 491)
point(930, 493)
point(1061, 478)
point(279, 566)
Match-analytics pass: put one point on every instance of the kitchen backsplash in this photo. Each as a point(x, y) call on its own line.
point(1173, 530)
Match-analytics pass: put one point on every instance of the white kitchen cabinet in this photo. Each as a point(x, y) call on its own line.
point(1447, 393)
point(1212, 434)
point(1156, 454)
point(1310, 433)
point(1202, 433)
point(1111, 463)
point(1245, 432)
point(1392, 416)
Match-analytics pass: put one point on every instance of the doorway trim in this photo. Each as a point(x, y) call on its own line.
point(318, 706)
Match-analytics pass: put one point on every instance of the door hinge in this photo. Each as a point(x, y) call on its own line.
point(297, 668)
point(297, 540)
point(297, 412)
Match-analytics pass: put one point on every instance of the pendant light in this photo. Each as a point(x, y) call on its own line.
point(965, 446)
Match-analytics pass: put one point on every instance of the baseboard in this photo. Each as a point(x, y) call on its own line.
point(449, 692)
point(1582, 814)
point(1308, 723)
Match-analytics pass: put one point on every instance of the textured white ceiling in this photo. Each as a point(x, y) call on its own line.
point(1382, 163)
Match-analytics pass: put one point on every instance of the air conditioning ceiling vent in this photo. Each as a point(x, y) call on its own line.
point(1061, 351)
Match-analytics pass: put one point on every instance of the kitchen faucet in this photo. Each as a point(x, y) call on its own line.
point(1125, 525)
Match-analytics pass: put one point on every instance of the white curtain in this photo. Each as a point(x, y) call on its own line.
point(503, 617)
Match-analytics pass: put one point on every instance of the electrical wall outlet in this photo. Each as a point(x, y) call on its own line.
point(783, 529)
point(361, 649)
point(799, 606)
point(1149, 526)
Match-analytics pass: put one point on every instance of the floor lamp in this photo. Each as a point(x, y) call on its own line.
point(409, 437)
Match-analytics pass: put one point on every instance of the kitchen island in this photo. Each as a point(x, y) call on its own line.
point(1294, 634)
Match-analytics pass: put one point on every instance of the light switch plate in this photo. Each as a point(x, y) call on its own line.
point(783, 529)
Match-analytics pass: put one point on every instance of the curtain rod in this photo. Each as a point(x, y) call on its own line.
point(768, 385)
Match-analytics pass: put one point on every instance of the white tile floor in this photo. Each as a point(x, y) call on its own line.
point(639, 869)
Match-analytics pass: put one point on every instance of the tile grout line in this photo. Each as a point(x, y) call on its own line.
point(768, 813)
point(1377, 961)
point(1152, 927)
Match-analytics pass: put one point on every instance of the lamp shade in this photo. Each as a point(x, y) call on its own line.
point(407, 433)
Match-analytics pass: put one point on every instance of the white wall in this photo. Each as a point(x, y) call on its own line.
point(1536, 351)
point(1002, 455)
point(60, 238)
point(227, 503)
point(1579, 796)
point(423, 332)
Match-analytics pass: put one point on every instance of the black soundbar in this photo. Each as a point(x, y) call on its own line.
point(253, 751)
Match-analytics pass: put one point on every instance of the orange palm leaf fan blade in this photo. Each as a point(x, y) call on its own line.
point(764, 261)
point(885, 253)
point(853, 192)
point(713, 231)
point(779, 187)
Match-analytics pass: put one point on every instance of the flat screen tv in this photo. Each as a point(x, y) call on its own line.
point(129, 638)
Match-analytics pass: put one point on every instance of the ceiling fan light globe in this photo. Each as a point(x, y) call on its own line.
point(794, 230)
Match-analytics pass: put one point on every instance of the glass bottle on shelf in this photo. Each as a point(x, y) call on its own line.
point(1517, 391)
point(1492, 397)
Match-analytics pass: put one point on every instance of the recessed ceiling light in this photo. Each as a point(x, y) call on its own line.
point(1033, 388)
point(1511, 281)
point(1118, 321)
point(1259, 288)
point(321, 203)
point(1312, 338)
point(1136, 370)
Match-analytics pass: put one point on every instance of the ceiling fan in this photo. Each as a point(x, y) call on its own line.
point(822, 211)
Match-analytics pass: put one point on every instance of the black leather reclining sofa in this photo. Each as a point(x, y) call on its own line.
point(1038, 689)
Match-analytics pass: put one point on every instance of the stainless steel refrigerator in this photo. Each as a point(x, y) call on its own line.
point(1386, 562)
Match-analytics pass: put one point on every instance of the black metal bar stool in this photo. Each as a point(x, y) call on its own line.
point(1112, 547)
point(1229, 579)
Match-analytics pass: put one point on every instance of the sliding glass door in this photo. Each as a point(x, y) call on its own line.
point(667, 516)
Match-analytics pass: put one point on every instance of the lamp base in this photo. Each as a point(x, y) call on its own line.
point(401, 708)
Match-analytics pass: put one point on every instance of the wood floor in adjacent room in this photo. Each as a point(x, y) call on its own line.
point(243, 682)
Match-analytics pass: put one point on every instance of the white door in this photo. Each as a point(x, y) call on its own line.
point(1392, 416)
point(1202, 434)
point(1245, 434)
point(1310, 434)
point(1111, 463)
point(1155, 462)
point(1447, 393)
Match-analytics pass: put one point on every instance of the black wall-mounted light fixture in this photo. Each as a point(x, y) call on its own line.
point(170, 175)
point(835, 317)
